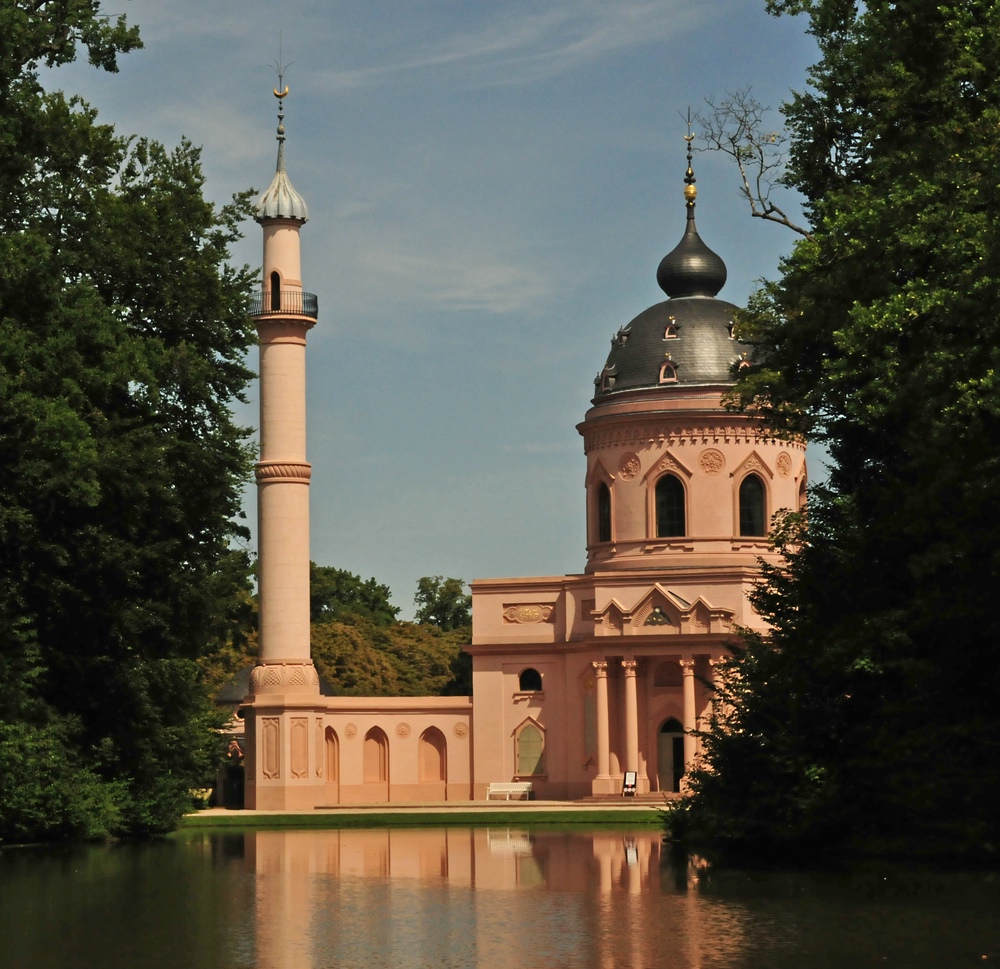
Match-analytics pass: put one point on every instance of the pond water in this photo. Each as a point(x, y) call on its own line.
point(470, 897)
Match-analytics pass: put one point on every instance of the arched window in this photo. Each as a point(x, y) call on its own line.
point(603, 513)
point(275, 292)
point(668, 374)
point(432, 759)
point(332, 756)
point(669, 506)
point(530, 681)
point(529, 749)
point(752, 515)
point(376, 756)
point(670, 333)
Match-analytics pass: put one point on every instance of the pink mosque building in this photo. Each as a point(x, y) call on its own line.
point(577, 679)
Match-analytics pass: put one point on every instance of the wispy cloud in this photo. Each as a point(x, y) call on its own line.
point(456, 281)
point(515, 47)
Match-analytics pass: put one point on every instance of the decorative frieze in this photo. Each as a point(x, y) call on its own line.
point(283, 677)
point(529, 612)
point(269, 471)
point(680, 435)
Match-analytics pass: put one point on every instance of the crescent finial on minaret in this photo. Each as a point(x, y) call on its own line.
point(281, 94)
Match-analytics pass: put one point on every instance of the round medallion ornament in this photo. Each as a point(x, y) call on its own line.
point(711, 461)
point(402, 730)
point(629, 467)
point(784, 464)
point(460, 729)
point(351, 731)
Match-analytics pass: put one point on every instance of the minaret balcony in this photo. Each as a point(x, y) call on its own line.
point(284, 302)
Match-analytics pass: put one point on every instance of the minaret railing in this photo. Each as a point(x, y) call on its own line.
point(285, 301)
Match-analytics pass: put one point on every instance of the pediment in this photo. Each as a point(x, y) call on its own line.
point(599, 473)
point(753, 462)
point(669, 462)
point(660, 611)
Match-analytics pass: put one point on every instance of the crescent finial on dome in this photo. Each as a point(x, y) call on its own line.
point(691, 268)
point(281, 201)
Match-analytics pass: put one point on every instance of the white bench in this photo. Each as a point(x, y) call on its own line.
point(521, 790)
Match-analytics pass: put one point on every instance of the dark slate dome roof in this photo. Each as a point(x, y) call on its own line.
point(685, 340)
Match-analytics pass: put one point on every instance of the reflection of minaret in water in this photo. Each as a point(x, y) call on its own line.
point(282, 749)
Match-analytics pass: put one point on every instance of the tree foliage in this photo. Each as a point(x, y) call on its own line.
point(334, 593)
point(122, 338)
point(870, 714)
point(361, 658)
point(443, 602)
point(362, 651)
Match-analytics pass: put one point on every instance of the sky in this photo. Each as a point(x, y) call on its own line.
point(491, 188)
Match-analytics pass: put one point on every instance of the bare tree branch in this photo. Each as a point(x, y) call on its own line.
point(735, 126)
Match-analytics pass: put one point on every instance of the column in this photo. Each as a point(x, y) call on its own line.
point(687, 669)
point(603, 730)
point(631, 717)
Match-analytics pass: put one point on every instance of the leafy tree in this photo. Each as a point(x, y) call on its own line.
point(869, 718)
point(122, 338)
point(443, 602)
point(335, 592)
point(362, 658)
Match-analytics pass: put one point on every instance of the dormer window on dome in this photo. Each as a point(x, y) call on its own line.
point(668, 373)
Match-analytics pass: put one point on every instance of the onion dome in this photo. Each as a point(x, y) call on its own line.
point(691, 268)
point(687, 340)
point(281, 201)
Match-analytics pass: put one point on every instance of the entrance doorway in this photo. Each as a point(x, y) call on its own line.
point(670, 755)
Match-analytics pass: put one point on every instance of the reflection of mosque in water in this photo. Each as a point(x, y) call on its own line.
point(477, 897)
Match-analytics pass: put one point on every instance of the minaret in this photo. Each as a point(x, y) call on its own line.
point(282, 753)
